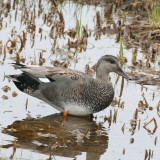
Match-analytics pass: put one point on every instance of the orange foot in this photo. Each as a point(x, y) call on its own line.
point(65, 115)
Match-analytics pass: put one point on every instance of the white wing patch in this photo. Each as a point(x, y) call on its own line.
point(45, 80)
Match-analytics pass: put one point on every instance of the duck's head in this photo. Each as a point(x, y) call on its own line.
point(109, 63)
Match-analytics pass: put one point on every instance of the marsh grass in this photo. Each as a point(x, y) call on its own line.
point(77, 14)
point(121, 56)
point(78, 17)
point(79, 25)
point(134, 56)
point(121, 51)
point(117, 79)
point(154, 13)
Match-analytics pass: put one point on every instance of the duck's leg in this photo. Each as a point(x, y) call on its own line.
point(65, 113)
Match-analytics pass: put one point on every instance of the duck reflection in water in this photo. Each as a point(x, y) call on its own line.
point(48, 136)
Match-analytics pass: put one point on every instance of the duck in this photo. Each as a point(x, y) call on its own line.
point(70, 91)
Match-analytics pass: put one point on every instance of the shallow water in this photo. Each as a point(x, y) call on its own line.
point(77, 138)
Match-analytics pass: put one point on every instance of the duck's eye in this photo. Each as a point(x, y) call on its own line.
point(111, 61)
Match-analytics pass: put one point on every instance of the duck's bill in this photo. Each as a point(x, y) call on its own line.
point(123, 74)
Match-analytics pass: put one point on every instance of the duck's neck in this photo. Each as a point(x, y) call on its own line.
point(102, 74)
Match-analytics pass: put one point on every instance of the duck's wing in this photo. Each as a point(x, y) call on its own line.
point(68, 74)
point(52, 73)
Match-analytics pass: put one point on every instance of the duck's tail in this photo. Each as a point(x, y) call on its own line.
point(24, 83)
point(18, 66)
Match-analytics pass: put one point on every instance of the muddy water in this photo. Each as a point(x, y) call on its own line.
point(35, 130)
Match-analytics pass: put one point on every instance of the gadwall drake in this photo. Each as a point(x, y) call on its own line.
point(70, 91)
